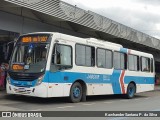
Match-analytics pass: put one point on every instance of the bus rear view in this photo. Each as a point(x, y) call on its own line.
point(28, 65)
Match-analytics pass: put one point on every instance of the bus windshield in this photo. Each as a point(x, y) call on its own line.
point(30, 57)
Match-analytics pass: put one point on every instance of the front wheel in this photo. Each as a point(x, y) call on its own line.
point(76, 92)
point(131, 89)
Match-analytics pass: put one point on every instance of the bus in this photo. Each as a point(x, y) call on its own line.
point(46, 64)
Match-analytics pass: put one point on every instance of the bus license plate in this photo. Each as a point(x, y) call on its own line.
point(21, 90)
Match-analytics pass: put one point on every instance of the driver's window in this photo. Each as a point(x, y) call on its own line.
point(62, 55)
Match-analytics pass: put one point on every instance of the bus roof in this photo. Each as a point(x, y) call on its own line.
point(91, 41)
point(104, 42)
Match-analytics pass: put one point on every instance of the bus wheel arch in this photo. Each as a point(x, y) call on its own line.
point(131, 90)
point(80, 87)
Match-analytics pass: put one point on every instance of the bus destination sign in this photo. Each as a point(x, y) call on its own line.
point(27, 39)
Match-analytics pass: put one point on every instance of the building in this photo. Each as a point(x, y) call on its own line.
point(23, 16)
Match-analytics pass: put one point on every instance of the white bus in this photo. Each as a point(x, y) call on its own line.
point(58, 65)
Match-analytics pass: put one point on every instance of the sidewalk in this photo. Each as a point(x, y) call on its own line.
point(157, 87)
point(3, 94)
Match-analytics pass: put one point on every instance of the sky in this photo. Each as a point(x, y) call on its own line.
point(142, 15)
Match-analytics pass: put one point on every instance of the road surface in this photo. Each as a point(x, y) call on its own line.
point(147, 101)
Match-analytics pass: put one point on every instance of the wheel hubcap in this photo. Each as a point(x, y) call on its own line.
point(76, 92)
point(131, 91)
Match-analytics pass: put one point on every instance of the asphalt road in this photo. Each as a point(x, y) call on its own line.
point(147, 101)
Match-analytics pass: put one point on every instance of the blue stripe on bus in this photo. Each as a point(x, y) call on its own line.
point(115, 81)
point(70, 77)
point(123, 50)
point(58, 77)
point(139, 80)
point(23, 83)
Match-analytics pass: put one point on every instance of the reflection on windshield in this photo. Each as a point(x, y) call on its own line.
point(32, 57)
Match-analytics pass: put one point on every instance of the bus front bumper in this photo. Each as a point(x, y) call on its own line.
point(36, 91)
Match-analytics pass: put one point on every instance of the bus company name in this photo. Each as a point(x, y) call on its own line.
point(93, 76)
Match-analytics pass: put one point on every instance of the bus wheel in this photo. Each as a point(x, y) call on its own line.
point(76, 92)
point(131, 89)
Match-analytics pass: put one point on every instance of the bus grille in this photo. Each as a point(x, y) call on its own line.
point(24, 77)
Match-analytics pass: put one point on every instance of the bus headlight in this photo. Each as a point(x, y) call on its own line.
point(8, 79)
point(39, 81)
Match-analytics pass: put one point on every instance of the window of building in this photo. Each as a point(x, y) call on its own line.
point(133, 62)
point(85, 55)
point(145, 64)
point(104, 58)
point(120, 60)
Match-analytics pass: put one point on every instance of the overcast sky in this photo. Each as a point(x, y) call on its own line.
point(142, 15)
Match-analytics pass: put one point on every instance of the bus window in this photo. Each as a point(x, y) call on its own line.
point(133, 63)
point(109, 61)
point(104, 58)
point(120, 60)
point(80, 55)
point(101, 62)
point(85, 55)
point(145, 64)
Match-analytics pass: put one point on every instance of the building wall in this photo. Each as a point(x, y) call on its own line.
point(19, 24)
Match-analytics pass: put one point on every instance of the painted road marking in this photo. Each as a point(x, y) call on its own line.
point(107, 102)
point(156, 109)
point(146, 98)
point(137, 99)
point(36, 110)
point(124, 100)
point(88, 104)
point(65, 107)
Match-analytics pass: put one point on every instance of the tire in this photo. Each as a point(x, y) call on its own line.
point(76, 93)
point(131, 89)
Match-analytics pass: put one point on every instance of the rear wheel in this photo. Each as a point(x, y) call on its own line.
point(76, 92)
point(131, 89)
